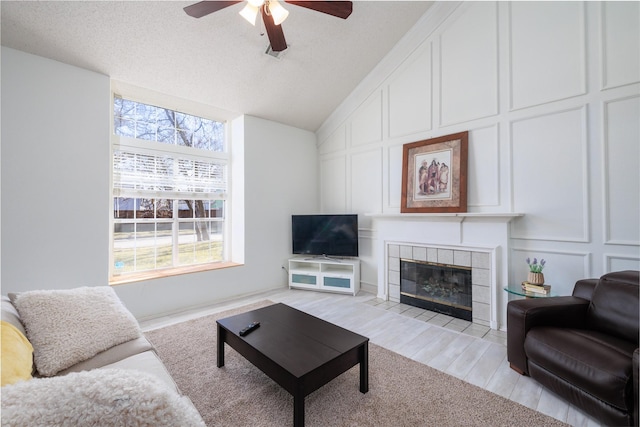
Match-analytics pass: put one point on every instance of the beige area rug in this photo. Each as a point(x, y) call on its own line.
point(402, 392)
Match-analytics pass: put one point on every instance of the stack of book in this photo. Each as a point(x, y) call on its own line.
point(538, 289)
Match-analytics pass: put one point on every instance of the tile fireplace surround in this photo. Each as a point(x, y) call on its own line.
point(479, 261)
point(476, 240)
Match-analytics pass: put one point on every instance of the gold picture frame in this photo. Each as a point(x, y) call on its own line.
point(434, 175)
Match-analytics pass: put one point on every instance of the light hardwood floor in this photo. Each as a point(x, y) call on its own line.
point(470, 352)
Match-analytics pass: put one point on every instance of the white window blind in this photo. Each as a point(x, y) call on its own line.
point(168, 176)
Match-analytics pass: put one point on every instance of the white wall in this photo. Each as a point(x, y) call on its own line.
point(550, 94)
point(55, 174)
point(55, 192)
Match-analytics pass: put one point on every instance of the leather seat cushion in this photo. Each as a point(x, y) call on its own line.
point(599, 364)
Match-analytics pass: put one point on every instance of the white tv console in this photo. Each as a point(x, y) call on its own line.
point(325, 274)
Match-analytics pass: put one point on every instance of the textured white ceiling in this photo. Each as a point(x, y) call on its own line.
point(219, 59)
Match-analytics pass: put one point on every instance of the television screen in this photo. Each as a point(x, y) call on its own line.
point(329, 235)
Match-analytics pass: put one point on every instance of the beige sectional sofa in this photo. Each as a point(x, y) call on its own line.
point(133, 358)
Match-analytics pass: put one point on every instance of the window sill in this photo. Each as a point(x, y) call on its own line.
point(158, 274)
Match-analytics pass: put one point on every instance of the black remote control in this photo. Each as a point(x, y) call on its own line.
point(249, 328)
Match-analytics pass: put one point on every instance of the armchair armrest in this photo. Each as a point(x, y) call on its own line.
point(522, 315)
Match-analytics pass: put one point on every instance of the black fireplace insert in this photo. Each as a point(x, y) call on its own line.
point(437, 287)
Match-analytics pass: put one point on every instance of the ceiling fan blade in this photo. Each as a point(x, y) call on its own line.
point(340, 9)
point(275, 33)
point(200, 9)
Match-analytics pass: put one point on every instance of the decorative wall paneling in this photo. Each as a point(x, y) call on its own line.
point(333, 184)
point(420, 33)
point(366, 124)
point(621, 173)
point(366, 174)
point(468, 58)
point(556, 119)
point(409, 92)
point(562, 270)
point(394, 193)
point(620, 43)
point(337, 141)
point(484, 149)
point(616, 262)
point(368, 261)
point(550, 180)
point(547, 52)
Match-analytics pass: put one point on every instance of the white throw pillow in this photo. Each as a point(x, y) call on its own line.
point(66, 327)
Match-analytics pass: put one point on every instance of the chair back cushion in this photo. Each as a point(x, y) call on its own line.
point(615, 305)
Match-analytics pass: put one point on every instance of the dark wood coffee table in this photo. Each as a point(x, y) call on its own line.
point(298, 351)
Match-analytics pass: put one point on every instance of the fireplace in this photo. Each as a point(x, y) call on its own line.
point(437, 287)
point(479, 241)
point(477, 260)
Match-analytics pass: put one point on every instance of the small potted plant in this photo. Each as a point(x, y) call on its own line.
point(535, 276)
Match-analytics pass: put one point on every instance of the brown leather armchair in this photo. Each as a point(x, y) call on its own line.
point(583, 347)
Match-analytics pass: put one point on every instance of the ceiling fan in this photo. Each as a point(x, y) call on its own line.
point(272, 12)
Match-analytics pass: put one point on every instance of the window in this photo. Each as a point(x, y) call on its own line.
point(170, 185)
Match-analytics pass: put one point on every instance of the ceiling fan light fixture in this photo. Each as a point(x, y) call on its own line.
point(250, 13)
point(276, 10)
point(272, 14)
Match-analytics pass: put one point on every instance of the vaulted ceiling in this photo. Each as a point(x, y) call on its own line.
point(219, 59)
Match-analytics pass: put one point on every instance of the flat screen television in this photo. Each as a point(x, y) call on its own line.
point(327, 235)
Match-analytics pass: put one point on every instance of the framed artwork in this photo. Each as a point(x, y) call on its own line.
point(434, 175)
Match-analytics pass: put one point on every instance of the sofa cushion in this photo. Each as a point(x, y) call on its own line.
point(148, 362)
point(16, 355)
point(615, 306)
point(68, 326)
point(592, 361)
point(111, 355)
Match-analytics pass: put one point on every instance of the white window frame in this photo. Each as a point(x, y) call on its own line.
point(119, 143)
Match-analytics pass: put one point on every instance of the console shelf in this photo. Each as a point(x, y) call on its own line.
point(322, 274)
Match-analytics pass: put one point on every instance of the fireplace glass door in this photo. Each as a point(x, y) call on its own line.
point(438, 287)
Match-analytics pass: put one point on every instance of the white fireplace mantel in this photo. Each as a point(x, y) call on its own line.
point(450, 217)
point(473, 231)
